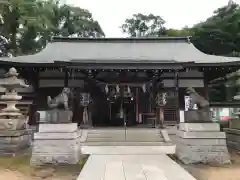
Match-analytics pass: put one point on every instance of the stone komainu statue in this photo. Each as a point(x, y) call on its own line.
point(201, 102)
point(61, 100)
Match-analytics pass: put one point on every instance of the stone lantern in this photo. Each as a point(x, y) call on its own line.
point(13, 124)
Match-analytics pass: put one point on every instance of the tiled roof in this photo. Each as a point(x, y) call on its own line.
point(121, 50)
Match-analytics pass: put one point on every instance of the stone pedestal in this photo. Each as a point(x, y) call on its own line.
point(234, 123)
point(197, 116)
point(58, 116)
point(56, 144)
point(12, 142)
point(233, 138)
point(201, 143)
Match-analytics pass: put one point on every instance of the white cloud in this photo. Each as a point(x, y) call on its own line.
point(177, 13)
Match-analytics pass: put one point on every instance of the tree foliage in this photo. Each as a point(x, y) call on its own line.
point(144, 25)
point(219, 34)
point(29, 24)
point(186, 31)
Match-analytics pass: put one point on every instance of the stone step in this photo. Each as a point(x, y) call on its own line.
point(123, 139)
point(120, 137)
point(123, 132)
point(129, 150)
point(123, 135)
point(125, 143)
point(100, 136)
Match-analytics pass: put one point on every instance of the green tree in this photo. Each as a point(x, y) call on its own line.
point(219, 34)
point(75, 21)
point(144, 25)
point(186, 31)
point(29, 24)
point(19, 17)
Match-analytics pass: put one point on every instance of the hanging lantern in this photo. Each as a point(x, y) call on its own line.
point(128, 90)
point(106, 89)
point(161, 99)
point(84, 99)
point(164, 97)
point(117, 89)
point(121, 112)
point(144, 88)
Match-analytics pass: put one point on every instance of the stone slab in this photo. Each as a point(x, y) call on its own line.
point(14, 139)
point(13, 144)
point(233, 137)
point(199, 127)
point(165, 135)
point(234, 124)
point(132, 167)
point(233, 145)
point(14, 148)
point(203, 149)
point(58, 128)
point(15, 133)
point(172, 130)
point(58, 116)
point(130, 150)
point(56, 146)
point(40, 159)
point(202, 157)
point(196, 116)
point(57, 136)
point(124, 143)
point(201, 135)
point(231, 131)
point(97, 163)
point(200, 142)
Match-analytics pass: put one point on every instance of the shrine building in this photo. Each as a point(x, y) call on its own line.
point(122, 76)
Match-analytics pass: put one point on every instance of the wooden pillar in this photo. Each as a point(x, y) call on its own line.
point(154, 104)
point(176, 78)
point(206, 89)
point(65, 77)
point(137, 108)
point(33, 118)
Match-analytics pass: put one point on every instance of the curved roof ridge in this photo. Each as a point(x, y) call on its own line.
point(218, 58)
point(128, 39)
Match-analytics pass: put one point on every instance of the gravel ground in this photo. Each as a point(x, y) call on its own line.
point(228, 172)
point(17, 168)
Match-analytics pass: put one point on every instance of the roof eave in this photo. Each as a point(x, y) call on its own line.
point(136, 39)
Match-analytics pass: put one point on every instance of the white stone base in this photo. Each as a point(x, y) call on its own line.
point(233, 138)
point(56, 147)
point(199, 127)
point(204, 145)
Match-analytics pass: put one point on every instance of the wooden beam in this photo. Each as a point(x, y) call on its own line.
point(65, 77)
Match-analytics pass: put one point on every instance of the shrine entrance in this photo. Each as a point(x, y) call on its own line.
point(122, 99)
point(122, 112)
point(117, 106)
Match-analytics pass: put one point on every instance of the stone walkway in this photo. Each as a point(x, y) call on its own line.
point(132, 167)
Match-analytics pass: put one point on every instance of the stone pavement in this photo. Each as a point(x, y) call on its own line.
point(132, 167)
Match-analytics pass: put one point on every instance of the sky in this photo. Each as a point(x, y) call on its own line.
point(111, 14)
